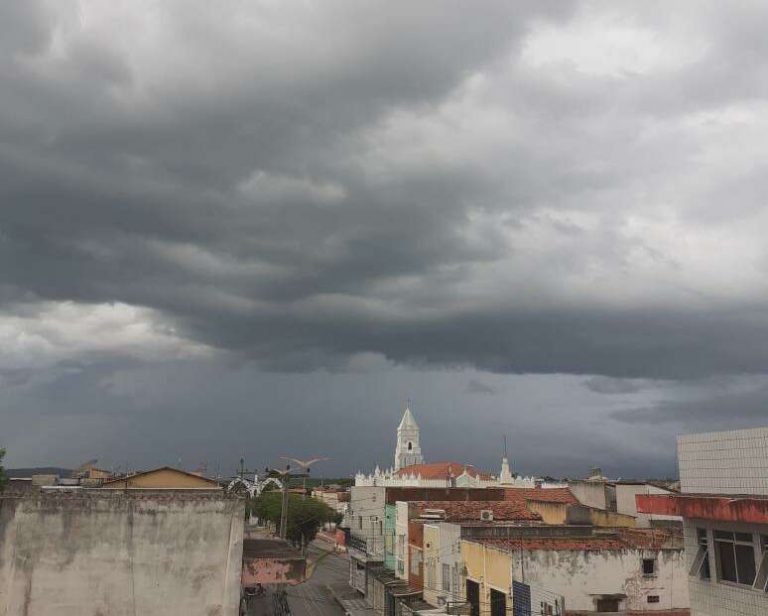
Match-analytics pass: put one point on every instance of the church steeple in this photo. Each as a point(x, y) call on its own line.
point(408, 450)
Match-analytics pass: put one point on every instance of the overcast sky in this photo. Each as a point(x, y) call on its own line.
point(258, 228)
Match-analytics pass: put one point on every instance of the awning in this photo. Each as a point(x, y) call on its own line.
point(706, 507)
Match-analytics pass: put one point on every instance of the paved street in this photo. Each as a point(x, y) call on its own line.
point(313, 598)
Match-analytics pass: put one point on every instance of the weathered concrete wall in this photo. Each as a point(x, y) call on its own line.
point(626, 503)
point(367, 518)
point(590, 493)
point(401, 540)
point(579, 576)
point(115, 554)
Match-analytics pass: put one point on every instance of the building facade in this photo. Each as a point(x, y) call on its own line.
point(627, 571)
point(154, 553)
point(723, 501)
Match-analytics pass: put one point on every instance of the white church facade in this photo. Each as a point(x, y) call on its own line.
point(411, 470)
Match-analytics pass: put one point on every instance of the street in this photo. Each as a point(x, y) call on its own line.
point(312, 598)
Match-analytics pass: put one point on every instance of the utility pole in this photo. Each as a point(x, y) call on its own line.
point(280, 605)
point(284, 510)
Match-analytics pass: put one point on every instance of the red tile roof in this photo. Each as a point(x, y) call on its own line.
point(458, 511)
point(441, 470)
point(624, 539)
point(550, 495)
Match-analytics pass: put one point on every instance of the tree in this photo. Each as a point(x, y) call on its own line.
point(305, 515)
point(3, 479)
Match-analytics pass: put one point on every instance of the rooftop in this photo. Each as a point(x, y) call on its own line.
point(442, 470)
point(550, 495)
point(749, 508)
point(618, 539)
point(457, 511)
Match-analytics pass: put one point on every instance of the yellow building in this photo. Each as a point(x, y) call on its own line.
point(488, 579)
point(568, 513)
point(164, 478)
point(607, 570)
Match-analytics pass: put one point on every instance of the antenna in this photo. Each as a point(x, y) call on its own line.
point(505, 445)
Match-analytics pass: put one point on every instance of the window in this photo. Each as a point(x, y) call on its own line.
point(473, 597)
point(410, 446)
point(649, 567)
point(761, 579)
point(735, 557)
point(415, 562)
point(498, 603)
point(431, 574)
point(653, 598)
point(607, 605)
point(700, 567)
point(360, 522)
point(447, 578)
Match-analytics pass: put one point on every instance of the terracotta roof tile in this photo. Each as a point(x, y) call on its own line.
point(624, 539)
point(457, 511)
point(441, 470)
point(550, 495)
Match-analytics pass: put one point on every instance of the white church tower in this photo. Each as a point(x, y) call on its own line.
point(408, 450)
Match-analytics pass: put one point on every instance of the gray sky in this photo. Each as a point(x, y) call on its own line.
point(258, 228)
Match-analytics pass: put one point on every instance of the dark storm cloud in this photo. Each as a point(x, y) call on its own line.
point(719, 411)
point(608, 385)
point(261, 202)
point(479, 388)
point(538, 188)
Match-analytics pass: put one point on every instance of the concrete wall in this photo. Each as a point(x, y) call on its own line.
point(120, 554)
point(401, 540)
point(563, 513)
point(590, 493)
point(579, 575)
point(626, 504)
point(733, 462)
point(551, 513)
point(366, 507)
point(442, 547)
point(609, 519)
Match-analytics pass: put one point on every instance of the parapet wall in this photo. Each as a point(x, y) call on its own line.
point(120, 553)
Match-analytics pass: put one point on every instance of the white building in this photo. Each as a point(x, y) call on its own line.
point(410, 470)
point(408, 450)
point(624, 571)
point(626, 502)
point(724, 503)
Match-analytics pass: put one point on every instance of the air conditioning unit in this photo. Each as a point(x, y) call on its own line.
point(486, 515)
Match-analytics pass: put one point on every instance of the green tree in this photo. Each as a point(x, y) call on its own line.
point(305, 515)
point(3, 479)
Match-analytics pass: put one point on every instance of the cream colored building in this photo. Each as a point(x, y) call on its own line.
point(628, 570)
point(164, 478)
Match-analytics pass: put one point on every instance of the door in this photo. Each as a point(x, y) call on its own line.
point(498, 603)
point(473, 597)
point(607, 605)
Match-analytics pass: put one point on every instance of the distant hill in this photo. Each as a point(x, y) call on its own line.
point(26, 473)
